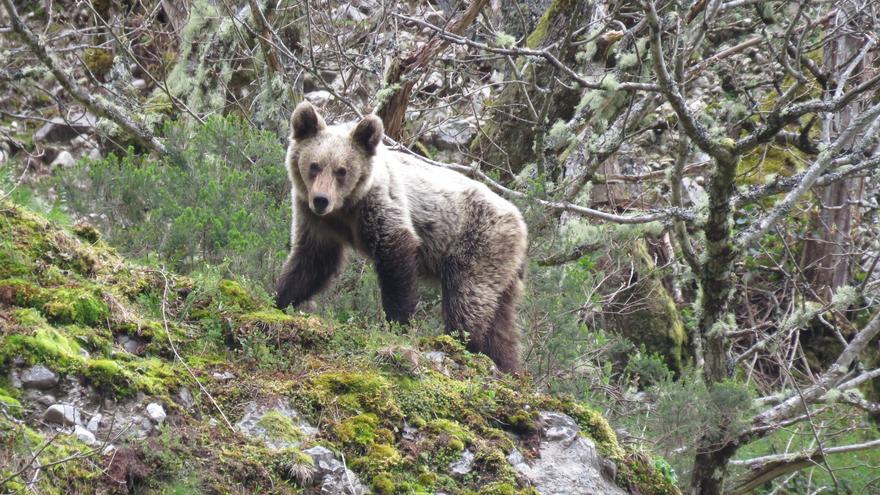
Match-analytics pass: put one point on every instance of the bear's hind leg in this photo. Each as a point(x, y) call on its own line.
point(469, 306)
point(501, 342)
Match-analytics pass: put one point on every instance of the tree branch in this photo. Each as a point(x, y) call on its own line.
point(96, 104)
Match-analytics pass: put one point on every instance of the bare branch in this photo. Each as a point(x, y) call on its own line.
point(96, 104)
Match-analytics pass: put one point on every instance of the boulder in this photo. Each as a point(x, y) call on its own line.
point(331, 475)
point(156, 413)
point(64, 160)
point(84, 435)
point(568, 463)
point(276, 424)
point(59, 129)
point(62, 414)
point(39, 377)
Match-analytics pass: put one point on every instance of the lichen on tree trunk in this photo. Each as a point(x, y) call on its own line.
point(512, 126)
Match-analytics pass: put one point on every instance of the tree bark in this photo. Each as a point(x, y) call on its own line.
point(826, 258)
point(393, 111)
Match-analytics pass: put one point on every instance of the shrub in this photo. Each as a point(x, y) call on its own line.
point(221, 198)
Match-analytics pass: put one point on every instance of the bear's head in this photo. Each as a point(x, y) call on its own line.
point(331, 165)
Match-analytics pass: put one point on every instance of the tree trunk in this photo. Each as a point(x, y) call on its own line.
point(523, 112)
point(826, 258)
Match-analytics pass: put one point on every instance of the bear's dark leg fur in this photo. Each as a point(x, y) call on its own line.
point(309, 269)
point(485, 314)
point(397, 269)
point(394, 250)
point(502, 337)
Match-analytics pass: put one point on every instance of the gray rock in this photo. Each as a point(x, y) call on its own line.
point(464, 464)
point(84, 435)
point(95, 154)
point(251, 425)
point(453, 134)
point(62, 414)
point(331, 475)
point(185, 398)
point(348, 12)
point(39, 397)
point(131, 344)
point(94, 423)
point(39, 377)
point(63, 160)
point(59, 129)
point(318, 98)
point(15, 378)
point(156, 413)
point(138, 84)
point(568, 463)
point(223, 377)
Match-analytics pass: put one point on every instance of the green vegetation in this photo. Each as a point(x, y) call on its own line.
point(360, 401)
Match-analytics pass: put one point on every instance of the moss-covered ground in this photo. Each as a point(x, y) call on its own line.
point(397, 417)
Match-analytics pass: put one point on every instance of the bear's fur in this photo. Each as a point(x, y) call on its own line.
point(410, 219)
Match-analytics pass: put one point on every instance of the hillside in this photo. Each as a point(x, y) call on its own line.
point(120, 378)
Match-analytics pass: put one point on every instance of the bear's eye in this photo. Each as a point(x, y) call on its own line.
point(340, 172)
point(314, 168)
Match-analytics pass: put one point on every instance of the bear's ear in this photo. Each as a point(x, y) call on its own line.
point(305, 122)
point(368, 133)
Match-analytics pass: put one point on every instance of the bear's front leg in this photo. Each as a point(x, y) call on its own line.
point(394, 249)
point(312, 264)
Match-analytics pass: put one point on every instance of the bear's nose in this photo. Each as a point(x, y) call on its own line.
point(320, 203)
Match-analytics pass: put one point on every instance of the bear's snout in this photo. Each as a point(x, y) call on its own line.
point(320, 203)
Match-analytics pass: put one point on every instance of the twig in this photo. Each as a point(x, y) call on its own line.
point(177, 355)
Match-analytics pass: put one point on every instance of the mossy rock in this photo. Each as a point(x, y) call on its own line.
point(646, 314)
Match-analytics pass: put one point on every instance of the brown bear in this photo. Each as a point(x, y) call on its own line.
point(410, 219)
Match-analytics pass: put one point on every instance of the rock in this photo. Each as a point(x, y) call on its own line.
point(567, 462)
point(331, 475)
point(464, 464)
point(223, 377)
point(95, 423)
point(185, 398)
point(39, 397)
point(62, 414)
point(63, 160)
point(349, 12)
point(15, 379)
point(59, 129)
point(95, 154)
point(84, 435)
point(138, 84)
point(453, 134)
point(39, 377)
point(318, 98)
point(156, 413)
point(278, 425)
point(131, 344)
point(694, 191)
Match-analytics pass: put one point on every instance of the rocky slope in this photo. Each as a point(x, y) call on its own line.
point(119, 378)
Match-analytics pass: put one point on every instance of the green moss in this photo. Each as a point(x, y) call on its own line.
point(9, 402)
point(280, 426)
point(87, 232)
point(358, 431)
point(380, 457)
point(637, 473)
point(655, 322)
point(596, 427)
point(74, 306)
point(276, 327)
point(383, 484)
point(18, 292)
point(99, 61)
point(233, 295)
point(355, 393)
point(538, 36)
